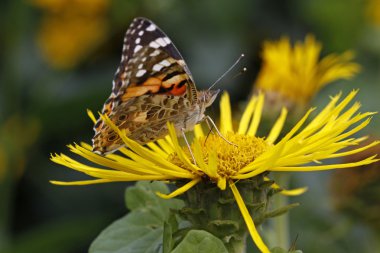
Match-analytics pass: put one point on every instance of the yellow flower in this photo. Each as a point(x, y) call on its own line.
point(372, 12)
point(294, 75)
point(304, 148)
point(70, 30)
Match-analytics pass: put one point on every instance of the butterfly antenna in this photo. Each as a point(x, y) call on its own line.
point(240, 73)
point(228, 70)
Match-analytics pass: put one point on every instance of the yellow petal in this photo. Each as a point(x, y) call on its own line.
point(366, 161)
point(222, 183)
point(276, 129)
point(247, 115)
point(166, 145)
point(180, 190)
point(84, 182)
point(354, 151)
point(199, 157)
point(256, 116)
point(248, 220)
point(198, 131)
point(225, 114)
point(146, 154)
point(213, 164)
point(157, 149)
point(178, 149)
point(91, 115)
point(294, 192)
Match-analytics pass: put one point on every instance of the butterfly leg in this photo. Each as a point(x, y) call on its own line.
point(188, 146)
point(210, 127)
point(208, 120)
point(209, 132)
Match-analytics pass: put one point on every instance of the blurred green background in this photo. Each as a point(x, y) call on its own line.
point(58, 58)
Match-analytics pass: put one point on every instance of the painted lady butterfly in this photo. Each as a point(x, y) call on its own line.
point(152, 85)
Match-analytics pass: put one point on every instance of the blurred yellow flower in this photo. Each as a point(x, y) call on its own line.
point(373, 11)
point(82, 7)
point(71, 29)
point(303, 148)
point(293, 75)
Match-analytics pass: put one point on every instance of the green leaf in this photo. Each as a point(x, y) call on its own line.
point(168, 238)
point(143, 197)
point(142, 229)
point(200, 241)
point(170, 226)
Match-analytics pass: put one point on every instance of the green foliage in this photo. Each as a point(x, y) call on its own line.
point(200, 241)
point(60, 236)
point(141, 230)
point(151, 226)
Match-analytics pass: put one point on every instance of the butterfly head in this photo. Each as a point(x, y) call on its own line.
point(207, 97)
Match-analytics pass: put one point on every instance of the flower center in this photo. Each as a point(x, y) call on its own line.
point(230, 158)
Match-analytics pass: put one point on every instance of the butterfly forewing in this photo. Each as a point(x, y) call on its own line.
point(144, 36)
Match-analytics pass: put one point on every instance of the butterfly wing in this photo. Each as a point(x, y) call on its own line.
point(150, 66)
point(143, 33)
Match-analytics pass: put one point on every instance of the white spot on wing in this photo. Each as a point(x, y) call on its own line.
point(151, 28)
point(161, 41)
point(140, 66)
point(167, 40)
point(137, 41)
point(157, 67)
point(137, 48)
point(165, 63)
point(140, 73)
point(154, 44)
point(141, 33)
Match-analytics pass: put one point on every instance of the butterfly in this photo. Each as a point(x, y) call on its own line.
point(151, 86)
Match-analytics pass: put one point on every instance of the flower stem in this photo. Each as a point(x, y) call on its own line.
point(281, 223)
